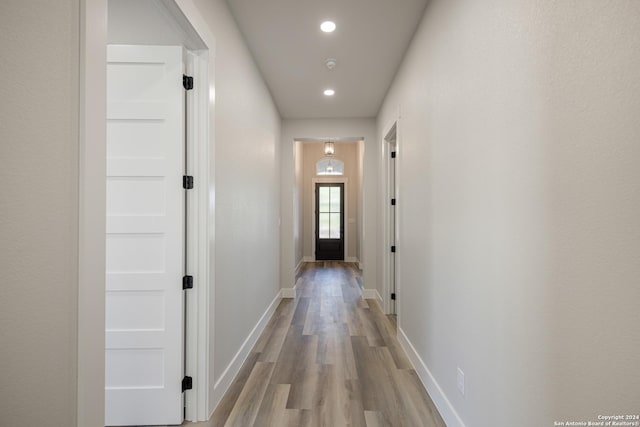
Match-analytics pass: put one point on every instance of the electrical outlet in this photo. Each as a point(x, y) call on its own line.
point(460, 381)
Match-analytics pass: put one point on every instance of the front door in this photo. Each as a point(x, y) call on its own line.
point(329, 221)
point(145, 240)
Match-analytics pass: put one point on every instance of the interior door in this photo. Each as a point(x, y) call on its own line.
point(329, 221)
point(145, 240)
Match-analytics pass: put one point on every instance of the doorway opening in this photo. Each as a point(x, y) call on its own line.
point(346, 229)
point(157, 266)
point(391, 221)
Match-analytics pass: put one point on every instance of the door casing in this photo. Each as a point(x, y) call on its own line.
point(340, 241)
point(330, 180)
point(390, 131)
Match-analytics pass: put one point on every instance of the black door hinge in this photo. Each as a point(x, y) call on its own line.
point(393, 154)
point(393, 296)
point(393, 248)
point(187, 383)
point(187, 82)
point(187, 182)
point(393, 202)
point(187, 282)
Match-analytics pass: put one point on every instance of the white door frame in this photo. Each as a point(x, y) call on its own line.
point(386, 212)
point(92, 170)
point(329, 180)
point(198, 231)
point(92, 208)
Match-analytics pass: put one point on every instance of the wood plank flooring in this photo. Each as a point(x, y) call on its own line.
point(327, 358)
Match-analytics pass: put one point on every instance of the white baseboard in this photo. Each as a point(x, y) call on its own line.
point(346, 259)
point(288, 292)
point(446, 409)
point(371, 294)
point(222, 385)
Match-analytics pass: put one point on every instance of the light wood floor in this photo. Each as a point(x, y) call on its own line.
point(327, 358)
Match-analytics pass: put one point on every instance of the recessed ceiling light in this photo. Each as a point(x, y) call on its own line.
point(328, 26)
point(329, 92)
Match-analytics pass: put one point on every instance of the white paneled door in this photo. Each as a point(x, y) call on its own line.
point(145, 235)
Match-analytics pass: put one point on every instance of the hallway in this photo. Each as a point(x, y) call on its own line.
point(327, 358)
point(514, 186)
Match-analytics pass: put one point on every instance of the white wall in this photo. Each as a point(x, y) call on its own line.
point(519, 206)
point(247, 189)
point(319, 128)
point(39, 212)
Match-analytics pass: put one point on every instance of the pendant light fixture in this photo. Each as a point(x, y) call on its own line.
point(329, 165)
point(329, 149)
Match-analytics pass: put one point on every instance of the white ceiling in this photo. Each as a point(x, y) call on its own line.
point(369, 43)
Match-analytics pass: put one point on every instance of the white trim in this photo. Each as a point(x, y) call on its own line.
point(346, 259)
point(197, 343)
point(226, 379)
point(371, 294)
point(361, 265)
point(329, 180)
point(92, 147)
point(201, 220)
point(443, 404)
point(178, 21)
point(195, 19)
point(288, 292)
point(385, 189)
point(205, 229)
point(398, 222)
